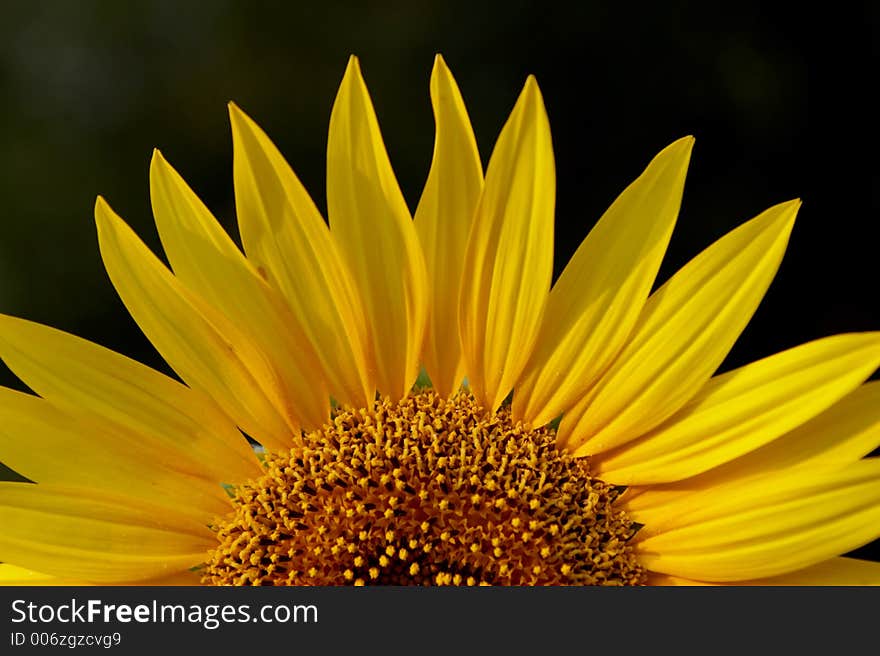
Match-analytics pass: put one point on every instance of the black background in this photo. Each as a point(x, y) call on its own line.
point(779, 102)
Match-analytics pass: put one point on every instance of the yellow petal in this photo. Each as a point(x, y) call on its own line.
point(665, 580)
point(288, 241)
point(188, 577)
point(154, 410)
point(443, 220)
point(95, 536)
point(684, 332)
point(48, 445)
point(834, 572)
point(844, 433)
point(847, 431)
point(596, 301)
point(202, 346)
point(509, 259)
point(766, 525)
point(372, 225)
point(744, 409)
point(12, 575)
point(208, 263)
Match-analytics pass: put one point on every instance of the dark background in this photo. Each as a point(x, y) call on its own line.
point(779, 101)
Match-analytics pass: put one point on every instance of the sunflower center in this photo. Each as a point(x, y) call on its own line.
point(424, 491)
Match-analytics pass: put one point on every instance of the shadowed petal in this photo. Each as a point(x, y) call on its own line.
point(208, 263)
point(372, 225)
point(443, 220)
point(94, 536)
point(684, 332)
point(765, 525)
point(836, 571)
point(160, 414)
point(286, 238)
point(596, 301)
point(744, 409)
point(48, 445)
point(844, 433)
point(509, 259)
point(197, 341)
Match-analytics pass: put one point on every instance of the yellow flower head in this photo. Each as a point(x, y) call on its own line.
point(621, 458)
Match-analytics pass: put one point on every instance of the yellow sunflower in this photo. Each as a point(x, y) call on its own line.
point(658, 472)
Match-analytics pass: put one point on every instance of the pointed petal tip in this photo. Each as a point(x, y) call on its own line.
point(680, 149)
point(781, 215)
point(531, 85)
point(238, 118)
point(103, 216)
point(101, 205)
point(440, 67)
point(161, 170)
point(240, 122)
point(685, 143)
point(789, 209)
point(791, 205)
point(236, 114)
point(106, 218)
point(353, 66)
point(352, 80)
point(157, 159)
point(530, 97)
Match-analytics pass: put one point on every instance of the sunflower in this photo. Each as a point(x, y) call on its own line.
point(569, 435)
